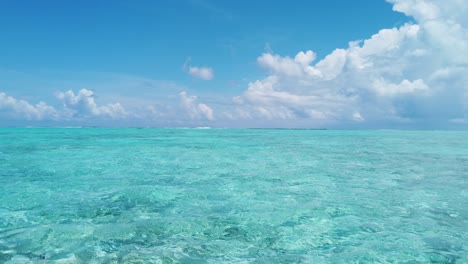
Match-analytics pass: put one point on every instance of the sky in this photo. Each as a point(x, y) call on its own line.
point(396, 64)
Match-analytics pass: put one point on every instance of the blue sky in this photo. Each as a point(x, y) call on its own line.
point(315, 64)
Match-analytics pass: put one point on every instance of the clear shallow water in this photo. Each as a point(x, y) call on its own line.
point(232, 196)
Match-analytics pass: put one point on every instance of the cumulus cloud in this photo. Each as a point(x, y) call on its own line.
point(83, 104)
point(204, 73)
point(194, 109)
point(75, 106)
point(415, 71)
point(24, 109)
point(384, 88)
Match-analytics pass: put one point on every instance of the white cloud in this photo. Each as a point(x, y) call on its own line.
point(299, 66)
point(194, 109)
point(23, 109)
point(358, 117)
point(445, 25)
point(291, 98)
point(332, 64)
point(84, 104)
point(416, 71)
point(74, 106)
point(384, 88)
point(204, 73)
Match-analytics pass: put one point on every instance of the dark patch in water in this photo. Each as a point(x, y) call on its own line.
point(442, 245)
point(5, 257)
point(232, 232)
point(289, 223)
point(439, 258)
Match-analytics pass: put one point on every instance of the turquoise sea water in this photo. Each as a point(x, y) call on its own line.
point(232, 196)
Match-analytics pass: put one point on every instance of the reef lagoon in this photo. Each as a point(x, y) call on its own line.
point(98, 195)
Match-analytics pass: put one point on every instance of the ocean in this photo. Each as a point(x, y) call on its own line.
point(96, 195)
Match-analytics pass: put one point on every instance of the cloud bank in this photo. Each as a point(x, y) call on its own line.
point(83, 104)
point(416, 72)
point(24, 110)
point(75, 107)
point(412, 73)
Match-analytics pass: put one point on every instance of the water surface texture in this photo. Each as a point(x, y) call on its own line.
point(232, 196)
